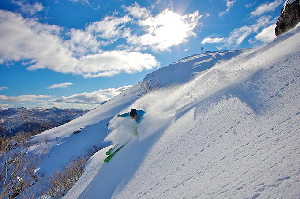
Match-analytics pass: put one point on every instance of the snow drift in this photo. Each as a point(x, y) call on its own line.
point(220, 125)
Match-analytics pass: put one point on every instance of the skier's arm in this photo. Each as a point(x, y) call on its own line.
point(124, 115)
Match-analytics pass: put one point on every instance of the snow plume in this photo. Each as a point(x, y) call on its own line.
point(155, 120)
point(121, 131)
point(157, 117)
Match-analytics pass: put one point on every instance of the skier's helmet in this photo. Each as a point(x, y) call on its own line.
point(133, 113)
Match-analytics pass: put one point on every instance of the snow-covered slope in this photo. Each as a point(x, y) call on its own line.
point(227, 129)
point(61, 144)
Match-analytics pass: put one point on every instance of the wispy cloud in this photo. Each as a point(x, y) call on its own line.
point(83, 1)
point(110, 28)
point(24, 98)
point(88, 99)
point(238, 35)
point(250, 4)
point(92, 3)
point(266, 8)
point(62, 85)
point(3, 88)
point(27, 8)
point(229, 5)
point(137, 11)
point(81, 100)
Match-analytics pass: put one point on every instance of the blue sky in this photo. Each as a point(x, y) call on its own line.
point(79, 53)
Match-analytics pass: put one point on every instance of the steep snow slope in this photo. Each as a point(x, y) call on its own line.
point(60, 144)
point(232, 131)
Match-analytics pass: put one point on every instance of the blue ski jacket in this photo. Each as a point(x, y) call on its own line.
point(139, 113)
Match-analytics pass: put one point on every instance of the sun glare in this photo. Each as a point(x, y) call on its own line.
point(168, 29)
point(172, 29)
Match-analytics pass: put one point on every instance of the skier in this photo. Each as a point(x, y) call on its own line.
point(137, 115)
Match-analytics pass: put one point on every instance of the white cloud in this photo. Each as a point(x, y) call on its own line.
point(23, 98)
point(28, 8)
point(229, 4)
point(212, 40)
point(138, 12)
point(109, 27)
point(83, 1)
point(82, 100)
point(96, 97)
point(262, 22)
point(83, 42)
point(28, 40)
point(3, 88)
point(97, 34)
point(62, 85)
point(250, 5)
point(267, 7)
point(165, 30)
point(79, 52)
point(110, 63)
point(267, 34)
point(5, 106)
point(238, 35)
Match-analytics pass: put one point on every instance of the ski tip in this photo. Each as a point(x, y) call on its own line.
point(109, 151)
point(108, 158)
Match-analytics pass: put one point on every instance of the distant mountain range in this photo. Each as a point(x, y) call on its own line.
point(34, 120)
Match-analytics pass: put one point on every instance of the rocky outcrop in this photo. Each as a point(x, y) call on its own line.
point(289, 17)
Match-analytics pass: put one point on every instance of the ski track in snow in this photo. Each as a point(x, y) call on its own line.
point(231, 131)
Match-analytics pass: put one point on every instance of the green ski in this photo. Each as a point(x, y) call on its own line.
point(109, 151)
point(114, 153)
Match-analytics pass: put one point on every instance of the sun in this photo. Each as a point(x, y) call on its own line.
point(169, 29)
